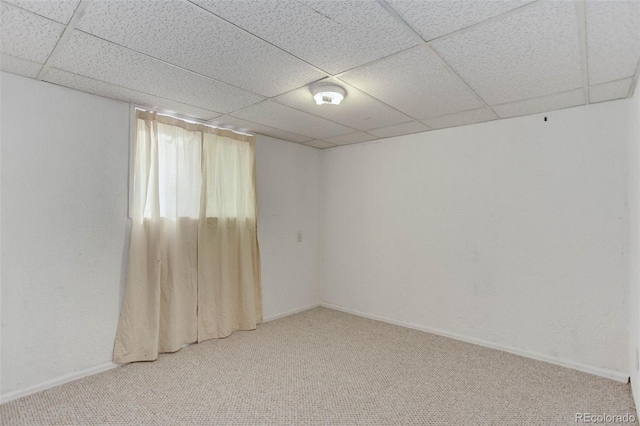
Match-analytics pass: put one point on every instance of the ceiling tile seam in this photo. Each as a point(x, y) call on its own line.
point(454, 113)
point(323, 141)
point(172, 64)
point(34, 13)
point(271, 127)
point(614, 81)
point(327, 74)
point(453, 72)
point(64, 38)
point(485, 21)
point(349, 134)
point(28, 60)
point(452, 126)
point(323, 118)
point(412, 118)
point(581, 16)
point(399, 124)
point(420, 40)
point(395, 15)
point(546, 111)
point(128, 88)
point(634, 82)
point(538, 97)
point(366, 64)
point(314, 10)
point(286, 140)
point(377, 99)
point(308, 146)
point(296, 88)
point(296, 109)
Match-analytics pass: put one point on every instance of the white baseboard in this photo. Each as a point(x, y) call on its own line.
point(100, 368)
point(610, 374)
point(286, 314)
point(56, 382)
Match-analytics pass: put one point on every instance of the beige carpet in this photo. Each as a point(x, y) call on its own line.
point(327, 367)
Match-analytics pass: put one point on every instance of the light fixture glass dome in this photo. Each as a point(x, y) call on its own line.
point(328, 94)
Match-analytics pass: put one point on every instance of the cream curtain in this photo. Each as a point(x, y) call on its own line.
point(194, 263)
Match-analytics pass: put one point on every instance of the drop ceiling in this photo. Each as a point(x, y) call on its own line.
point(408, 66)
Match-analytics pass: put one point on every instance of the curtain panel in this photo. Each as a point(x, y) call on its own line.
point(194, 261)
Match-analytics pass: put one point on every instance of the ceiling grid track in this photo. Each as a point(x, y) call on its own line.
point(260, 38)
point(143, 93)
point(62, 42)
point(485, 21)
point(581, 12)
point(580, 30)
point(432, 51)
point(634, 82)
point(171, 65)
point(293, 108)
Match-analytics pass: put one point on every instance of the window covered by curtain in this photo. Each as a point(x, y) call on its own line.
point(194, 264)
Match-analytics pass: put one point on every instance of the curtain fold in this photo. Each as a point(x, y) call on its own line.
point(194, 262)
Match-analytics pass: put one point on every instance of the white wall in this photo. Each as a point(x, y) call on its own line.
point(64, 217)
point(634, 242)
point(64, 222)
point(511, 233)
point(288, 202)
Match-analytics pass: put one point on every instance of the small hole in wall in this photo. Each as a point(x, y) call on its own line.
point(545, 119)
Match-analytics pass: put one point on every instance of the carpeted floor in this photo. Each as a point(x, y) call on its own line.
point(327, 367)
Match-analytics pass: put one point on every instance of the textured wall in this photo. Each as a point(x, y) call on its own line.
point(512, 232)
point(64, 223)
point(288, 202)
point(64, 219)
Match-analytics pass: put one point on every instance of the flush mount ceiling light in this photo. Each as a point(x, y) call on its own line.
point(328, 94)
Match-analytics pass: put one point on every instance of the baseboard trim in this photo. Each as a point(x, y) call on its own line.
point(100, 368)
point(56, 382)
point(294, 311)
point(609, 374)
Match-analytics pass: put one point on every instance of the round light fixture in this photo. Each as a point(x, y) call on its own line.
point(329, 94)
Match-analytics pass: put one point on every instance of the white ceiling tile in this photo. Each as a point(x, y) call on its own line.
point(542, 104)
point(461, 118)
point(432, 19)
point(332, 35)
point(530, 53)
point(319, 144)
point(282, 117)
point(416, 82)
point(613, 39)
point(400, 129)
point(27, 36)
point(607, 91)
point(19, 66)
point(350, 138)
point(58, 10)
point(227, 121)
point(186, 35)
point(107, 90)
point(92, 57)
point(357, 110)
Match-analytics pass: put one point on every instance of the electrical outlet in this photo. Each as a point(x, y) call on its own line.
point(299, 237)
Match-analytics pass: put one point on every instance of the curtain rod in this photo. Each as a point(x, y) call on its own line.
point(193, 120)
